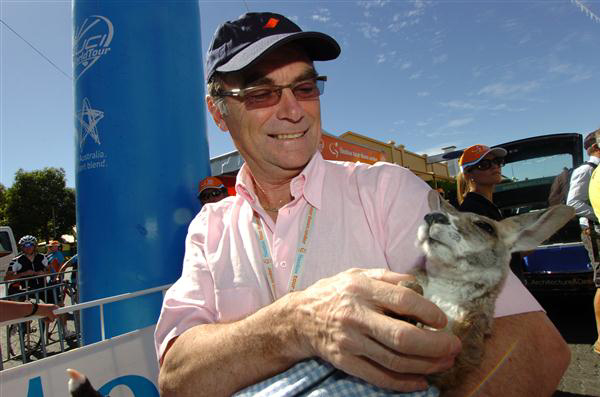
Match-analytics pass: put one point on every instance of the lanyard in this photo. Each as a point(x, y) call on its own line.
point(265, 253)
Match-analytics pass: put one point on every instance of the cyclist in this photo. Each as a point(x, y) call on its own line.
point(29, 263)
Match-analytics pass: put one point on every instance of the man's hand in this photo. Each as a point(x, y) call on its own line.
point(47, 310)
point(342, 320)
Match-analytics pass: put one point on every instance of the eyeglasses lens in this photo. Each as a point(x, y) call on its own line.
point(486, 164)
point(269, 95)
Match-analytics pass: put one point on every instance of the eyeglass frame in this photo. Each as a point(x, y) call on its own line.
point(241, 93)
point(499, 161)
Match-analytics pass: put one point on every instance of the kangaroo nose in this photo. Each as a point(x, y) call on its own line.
point(436, 217)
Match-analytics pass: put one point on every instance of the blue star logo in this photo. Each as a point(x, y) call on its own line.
point(88, 120)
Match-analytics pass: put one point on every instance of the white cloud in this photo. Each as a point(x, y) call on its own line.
point(423, 93)
point(372, 3)
point(422, 123)
point(510, 25)
point(503, 89)
point(410, 17)
point(320, 18)
point(479, 105)
point(416, 75)
point(440, 59)
point(405, 65)
point(380, 58)
point(586, 10)
point(458, 123)
point(575, 73)
point(456, 104)
point(368, 30)
point(322, 15)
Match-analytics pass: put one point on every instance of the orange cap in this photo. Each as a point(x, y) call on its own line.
point(212, 182)
point(473, 155)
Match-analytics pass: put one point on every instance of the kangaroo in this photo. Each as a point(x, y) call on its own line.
point(467, 264)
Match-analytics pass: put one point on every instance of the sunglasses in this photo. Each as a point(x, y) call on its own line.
point(208, 195)
point(263, 96)
point(27, 245)
point(486, 164)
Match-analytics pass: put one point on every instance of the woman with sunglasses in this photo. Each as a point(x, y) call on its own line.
point(481, 171)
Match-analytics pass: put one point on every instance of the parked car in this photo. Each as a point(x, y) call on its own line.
point(8, 249)
point(561, 264)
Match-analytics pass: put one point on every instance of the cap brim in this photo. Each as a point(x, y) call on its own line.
point(497, 151)
point(319, 46)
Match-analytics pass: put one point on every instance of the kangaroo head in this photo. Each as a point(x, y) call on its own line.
point(460, 243)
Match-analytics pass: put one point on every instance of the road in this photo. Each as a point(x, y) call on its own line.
point(574, 318)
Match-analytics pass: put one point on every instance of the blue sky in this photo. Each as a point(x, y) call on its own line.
point(425, 74)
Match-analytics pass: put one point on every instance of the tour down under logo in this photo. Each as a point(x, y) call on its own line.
point(92, 41)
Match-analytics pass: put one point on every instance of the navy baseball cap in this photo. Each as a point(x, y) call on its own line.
point(240, 43)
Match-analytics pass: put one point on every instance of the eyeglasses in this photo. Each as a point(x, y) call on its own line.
point(486, 164)
point(263, 96)
point(208, 195)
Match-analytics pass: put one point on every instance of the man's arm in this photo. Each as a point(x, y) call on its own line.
point(340, 319)
point(525, 356)
point(10, 310)
point(578, 193)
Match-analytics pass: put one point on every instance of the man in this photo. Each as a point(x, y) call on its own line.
point(578, 196)
point(28, 264)
point(296, 265)
point(594, 196)
point(54, 256)
point(211, 190)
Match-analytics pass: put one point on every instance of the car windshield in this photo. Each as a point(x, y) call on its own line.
point(535, 168)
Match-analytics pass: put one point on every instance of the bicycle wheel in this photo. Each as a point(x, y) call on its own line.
point(31, 339)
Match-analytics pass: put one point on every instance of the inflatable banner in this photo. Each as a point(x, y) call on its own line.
point(140, 150)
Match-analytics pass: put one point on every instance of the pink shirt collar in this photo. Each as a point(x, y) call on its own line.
point(308, 184)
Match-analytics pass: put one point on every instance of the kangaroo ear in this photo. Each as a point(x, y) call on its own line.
point(525, 232)
point(434, 199)
point(438, 203)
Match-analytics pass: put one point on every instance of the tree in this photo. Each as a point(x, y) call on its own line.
point(40, 204)
point(2, 204)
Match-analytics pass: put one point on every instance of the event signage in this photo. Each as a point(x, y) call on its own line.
point(141, 149)
point(333, 148)
point(124, 366)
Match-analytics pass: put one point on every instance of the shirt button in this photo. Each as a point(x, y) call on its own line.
point(282, 264)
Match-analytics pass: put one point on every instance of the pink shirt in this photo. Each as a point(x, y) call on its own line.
point(366, 217)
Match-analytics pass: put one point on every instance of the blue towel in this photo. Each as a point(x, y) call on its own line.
point(316, 378)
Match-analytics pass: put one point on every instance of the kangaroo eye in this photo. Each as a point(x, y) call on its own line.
point(486, 227)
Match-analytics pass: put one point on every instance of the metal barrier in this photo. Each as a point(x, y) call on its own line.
point(17, 325)
point(29, 339)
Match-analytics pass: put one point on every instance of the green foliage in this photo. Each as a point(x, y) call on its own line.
point(2, 204)
point(39, 203)
point(449, 190)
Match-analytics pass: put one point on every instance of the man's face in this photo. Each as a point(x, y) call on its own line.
point(53, 248)
point(28, 249)
point(278, 140)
